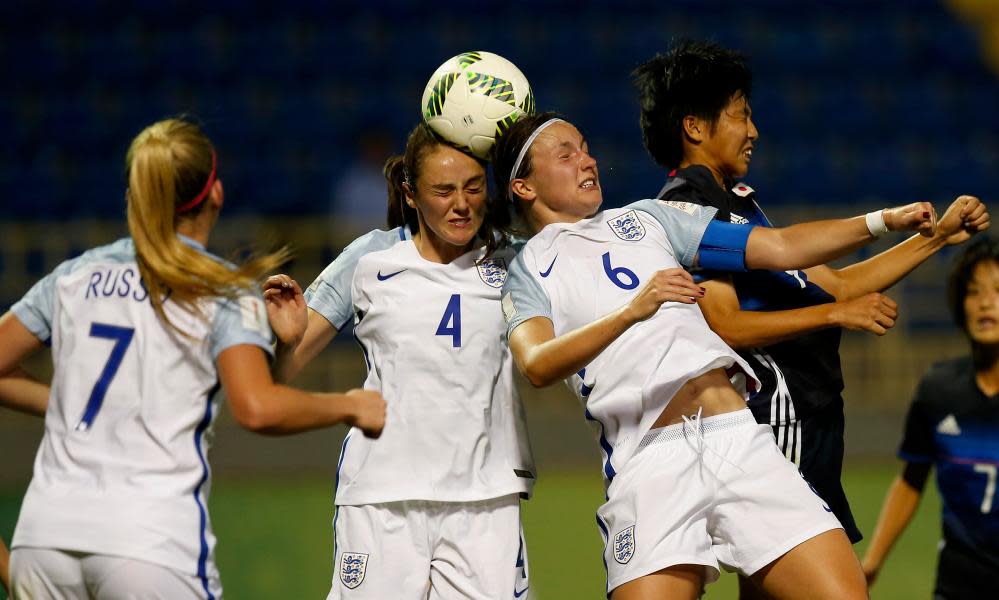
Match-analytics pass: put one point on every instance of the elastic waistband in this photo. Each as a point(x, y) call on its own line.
point(707, 426)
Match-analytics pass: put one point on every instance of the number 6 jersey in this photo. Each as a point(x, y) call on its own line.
point(122, 468)
point(576, 273)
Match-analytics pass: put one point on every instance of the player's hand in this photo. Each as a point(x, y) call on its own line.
point(870, 573)
point(286, 309)
point(918, 216)
point(668, 285)
point(368, 412)
point(872, 312)
point(965, 217)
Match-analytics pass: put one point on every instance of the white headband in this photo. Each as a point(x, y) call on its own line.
point(527, 144)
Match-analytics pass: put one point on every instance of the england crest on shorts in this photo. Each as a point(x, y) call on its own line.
point(624, 545)
point(627, 226)
point(492, 271)
point(352, 568)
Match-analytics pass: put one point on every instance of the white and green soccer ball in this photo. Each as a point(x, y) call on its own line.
point(473, 98)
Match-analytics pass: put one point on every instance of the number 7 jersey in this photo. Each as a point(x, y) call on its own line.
point(434, 343)
point(122, 468)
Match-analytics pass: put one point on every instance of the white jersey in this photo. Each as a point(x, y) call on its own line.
point(434, 343)
point(122, 468)
point(329, 294)
point(576, 273)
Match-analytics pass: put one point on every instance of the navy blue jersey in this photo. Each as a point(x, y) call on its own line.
point(799, 376)
point(952, 424)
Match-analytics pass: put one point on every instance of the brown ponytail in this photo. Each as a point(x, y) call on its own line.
point(167, 165)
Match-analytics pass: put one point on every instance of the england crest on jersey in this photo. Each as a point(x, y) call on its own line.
point(627, 226)
point(492, 271)
point(352, 568)
point(624, 545)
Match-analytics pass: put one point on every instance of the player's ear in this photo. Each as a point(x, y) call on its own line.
point(407, 191)
point(217, 194)
point(694, 128)
point(523, 189)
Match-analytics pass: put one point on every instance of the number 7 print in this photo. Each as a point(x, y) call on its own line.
point(122, 337)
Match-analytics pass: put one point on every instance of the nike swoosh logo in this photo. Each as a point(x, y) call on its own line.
point(548, 272)
point(517, 594)
point(389, 276)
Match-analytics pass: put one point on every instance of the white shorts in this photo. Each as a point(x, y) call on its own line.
point(729, 497)
point(419, 550)
point(37, 573)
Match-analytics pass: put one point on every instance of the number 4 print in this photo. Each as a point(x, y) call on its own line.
point(122, 337)
point(451, 321)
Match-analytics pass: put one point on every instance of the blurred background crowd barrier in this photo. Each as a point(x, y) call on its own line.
point(860, 104)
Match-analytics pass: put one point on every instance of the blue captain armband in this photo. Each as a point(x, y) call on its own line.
point(723, 247)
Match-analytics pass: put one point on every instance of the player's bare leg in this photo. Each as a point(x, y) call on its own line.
point(683, 582)
point(749, 590)
point(821, 568)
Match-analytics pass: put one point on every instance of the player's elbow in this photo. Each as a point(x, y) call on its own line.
point(536, 374)
point(735, 341)
point(251, 411)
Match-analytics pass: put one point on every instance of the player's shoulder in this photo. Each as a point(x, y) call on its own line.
point(119, 251)
point(375, 240)
point(946, 370)
point(944, 378)
point(344, 265)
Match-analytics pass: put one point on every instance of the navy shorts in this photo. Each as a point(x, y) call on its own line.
point(815, 443)
point(964, 572)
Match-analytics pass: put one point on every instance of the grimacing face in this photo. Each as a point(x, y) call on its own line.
point(450, 195)
point(564, 176)
point(981, 303)
point(729, 143)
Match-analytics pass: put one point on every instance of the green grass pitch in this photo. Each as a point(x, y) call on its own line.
point(275, 540)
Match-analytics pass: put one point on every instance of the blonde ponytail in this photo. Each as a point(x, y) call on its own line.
point(168, 164)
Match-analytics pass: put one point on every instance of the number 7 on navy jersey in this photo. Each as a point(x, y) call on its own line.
point(122, 337)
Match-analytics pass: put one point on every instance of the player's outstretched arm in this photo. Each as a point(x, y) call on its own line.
point(899, 506)
point(742, 329)
point(18, 390)
point(818, 242)
point(263, 406)
point(545, 359)
point(301, 332)
point(965, 217)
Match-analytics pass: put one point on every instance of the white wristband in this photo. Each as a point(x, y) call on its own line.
point(876, 223)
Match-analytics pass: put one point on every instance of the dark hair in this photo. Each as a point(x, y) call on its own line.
point(979, 251)
point(406, 168)
point(505, 151)
point(692, 78)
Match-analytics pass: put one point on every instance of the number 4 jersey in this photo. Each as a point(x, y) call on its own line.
point(122, 468)
point(574, 274)
point(434, 343)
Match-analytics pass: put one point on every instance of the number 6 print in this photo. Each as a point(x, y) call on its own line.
point(122, 337)
point(615, 274)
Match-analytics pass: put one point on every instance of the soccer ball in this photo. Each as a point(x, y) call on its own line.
point(473, 98)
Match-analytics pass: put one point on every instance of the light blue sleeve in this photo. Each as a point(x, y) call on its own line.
point(241, 320)
point(329, 294)
point(35, 309)
point(684, 223)
point(702, 242)
point(523, 296)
